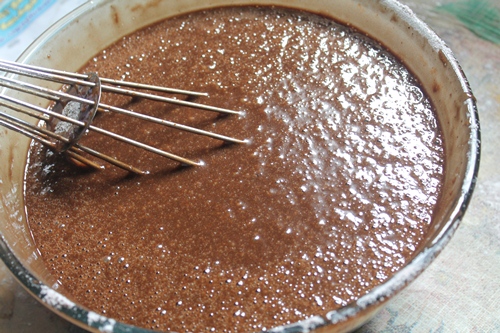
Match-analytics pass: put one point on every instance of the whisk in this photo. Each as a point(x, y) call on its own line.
point(63, 125)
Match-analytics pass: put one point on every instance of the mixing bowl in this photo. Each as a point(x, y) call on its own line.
point(78, 37)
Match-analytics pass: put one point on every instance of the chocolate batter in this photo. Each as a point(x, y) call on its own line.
point(334, 192)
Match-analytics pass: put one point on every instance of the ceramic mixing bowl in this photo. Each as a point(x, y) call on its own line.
point(78, 37)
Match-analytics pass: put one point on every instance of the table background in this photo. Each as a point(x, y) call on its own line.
point(460, 291)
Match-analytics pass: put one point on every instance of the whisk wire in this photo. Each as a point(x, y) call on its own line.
point(76, 107)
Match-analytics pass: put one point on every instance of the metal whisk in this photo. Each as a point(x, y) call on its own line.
point(73, 112)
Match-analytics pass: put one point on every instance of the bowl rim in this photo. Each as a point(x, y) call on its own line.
point(73, 312)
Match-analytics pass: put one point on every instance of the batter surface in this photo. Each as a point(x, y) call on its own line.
point(331, 196)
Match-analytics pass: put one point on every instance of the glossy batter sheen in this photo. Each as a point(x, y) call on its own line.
point(333, 193)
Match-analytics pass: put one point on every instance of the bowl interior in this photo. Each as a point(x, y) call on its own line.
point(77, 38)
